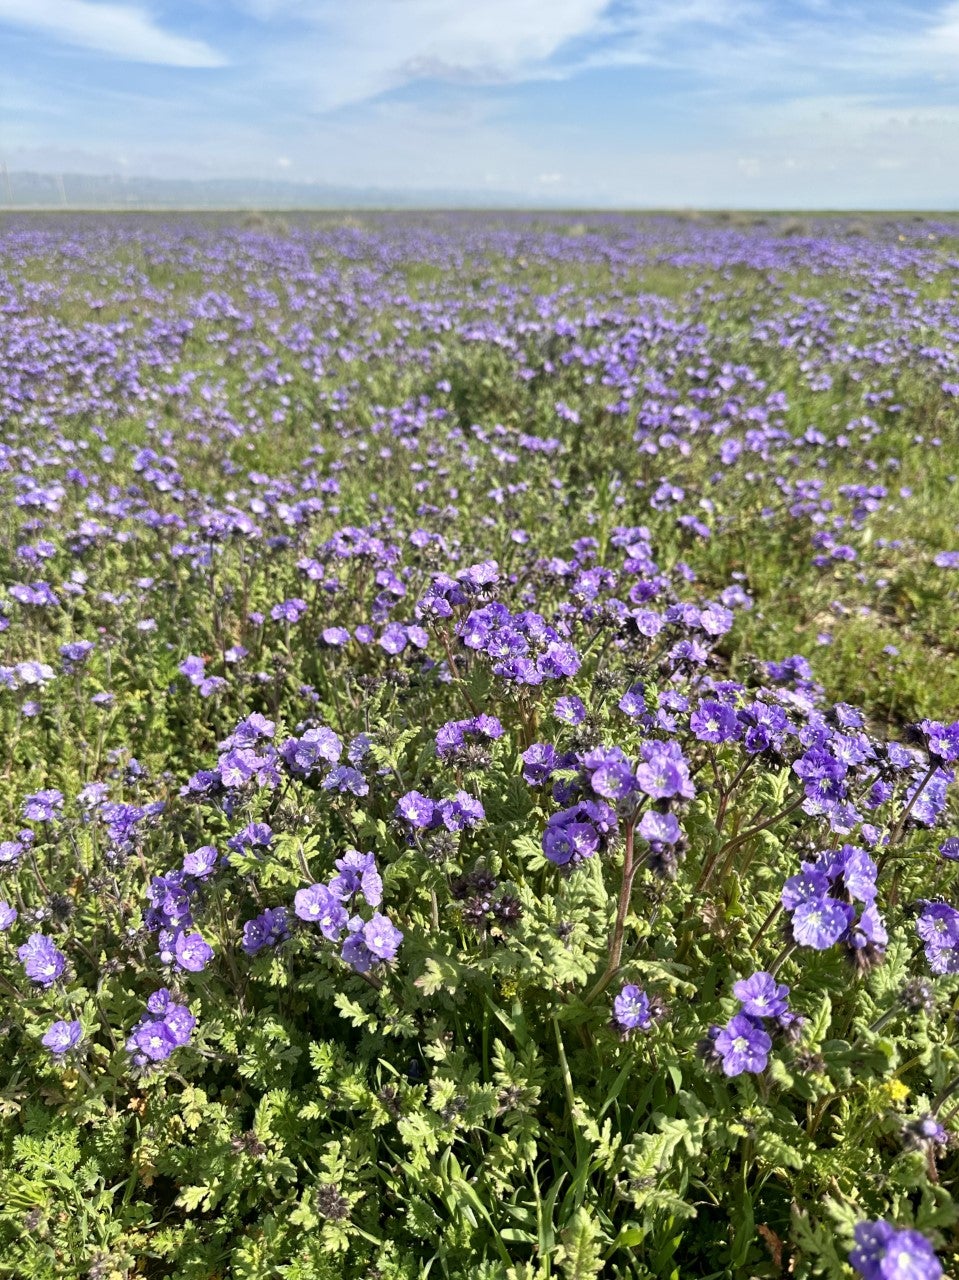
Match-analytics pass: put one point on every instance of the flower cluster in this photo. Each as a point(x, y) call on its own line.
point(523, 648)
point(744, 1044)
point(938, 927)
point(821, 898)
point(330, 905)
point(164, 1027)
point(453, 737)
point(458, 812)
point(316, 746)
point(43, 962)
point(268, 929)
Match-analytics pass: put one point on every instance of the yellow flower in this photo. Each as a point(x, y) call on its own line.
point(896, 1091)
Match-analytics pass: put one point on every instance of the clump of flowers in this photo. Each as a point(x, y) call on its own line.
point(163, 1028)
point(744, 1044)
point(821, 902)
point(268, 929)
point(328, 906)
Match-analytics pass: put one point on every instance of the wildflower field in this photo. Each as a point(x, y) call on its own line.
point(480, 702)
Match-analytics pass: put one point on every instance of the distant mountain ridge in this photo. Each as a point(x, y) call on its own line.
point(29, 190)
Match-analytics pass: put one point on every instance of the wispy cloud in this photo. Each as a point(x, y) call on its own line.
point(118, 30)
point(765, 46)
point(343, 53)
point(351, 52)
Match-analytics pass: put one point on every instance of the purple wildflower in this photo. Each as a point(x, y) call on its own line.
point(43, 806)
point(317, 905)
point(539, 761)
point(192, 952)
point(884, 1252)
point(761, 996)
point(382, 937)
point(43, 963)
point(569, 710)
point(714, 722)
point(62, 1036)
point(416, 809)
point(819, 922)
point(267, 929)
point(662, 827)
point(358, 874)
point(201, 863)
point(743, 1045)
point(631, 1009)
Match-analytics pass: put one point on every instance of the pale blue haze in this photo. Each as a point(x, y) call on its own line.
point(665, 102)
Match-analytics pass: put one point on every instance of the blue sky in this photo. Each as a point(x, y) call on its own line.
point(751, 103)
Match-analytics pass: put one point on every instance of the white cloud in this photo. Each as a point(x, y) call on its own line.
point(115, 29)
point(350, 52)
point(750, 47)
point(330, 54)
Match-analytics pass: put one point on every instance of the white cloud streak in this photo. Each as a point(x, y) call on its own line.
point(118, 30)
point(351, 52)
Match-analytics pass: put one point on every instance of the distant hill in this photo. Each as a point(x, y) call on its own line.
point(26, 190)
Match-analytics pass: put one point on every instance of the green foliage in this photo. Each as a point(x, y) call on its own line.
point(469, 1111)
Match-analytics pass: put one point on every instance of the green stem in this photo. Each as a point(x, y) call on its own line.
point(897, 830)
point(619, 928)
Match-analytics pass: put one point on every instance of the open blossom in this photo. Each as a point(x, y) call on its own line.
point(317, 905)
point(743, 1045)
point(569, 710)
point(761, 996)
point(416, 809)
point(194, 668)
point(662, 827)
point(938, 927)
point(884, 1253)
point(382, 937)
point(358, 874)
point(62, 1036)
point(43, 963)
point(192, 952)
point(267, 929)
point(631, 1009)
point(201, 863)
point(714, 722)
point(820, 922)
